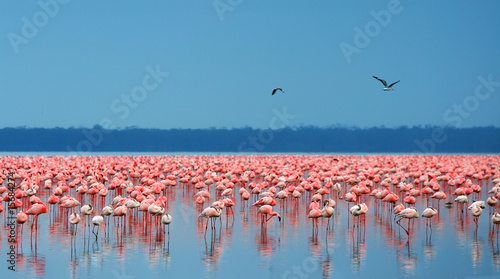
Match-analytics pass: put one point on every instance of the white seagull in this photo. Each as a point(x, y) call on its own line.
point(386, 88)
point(276, 89)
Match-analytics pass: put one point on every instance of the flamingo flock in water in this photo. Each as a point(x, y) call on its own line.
point(104, 190)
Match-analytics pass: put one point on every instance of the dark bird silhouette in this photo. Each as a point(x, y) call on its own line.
point(276, 89)
point(386, 88)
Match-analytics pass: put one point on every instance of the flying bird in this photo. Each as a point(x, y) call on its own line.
point(276, 89)
point(386, 88)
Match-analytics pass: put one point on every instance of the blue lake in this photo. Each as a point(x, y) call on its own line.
point(370, 246)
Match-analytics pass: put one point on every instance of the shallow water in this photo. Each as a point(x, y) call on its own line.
point(371, 246)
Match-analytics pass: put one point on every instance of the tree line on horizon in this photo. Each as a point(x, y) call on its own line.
point(423, 139)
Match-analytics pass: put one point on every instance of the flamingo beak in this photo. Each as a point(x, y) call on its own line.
point(279, 218)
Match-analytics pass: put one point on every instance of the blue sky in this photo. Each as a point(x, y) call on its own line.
point(87, 62)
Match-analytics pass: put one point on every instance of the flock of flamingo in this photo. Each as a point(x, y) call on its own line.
point(96, 188)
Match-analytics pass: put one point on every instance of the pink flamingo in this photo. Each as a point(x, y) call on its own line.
point(36, 209)
point(210, 213)
point(268, 210)
point(439, 195)
point(314, 214)
point(328, 211)
point(495, 219)
point(74, 219)
point(408, 213)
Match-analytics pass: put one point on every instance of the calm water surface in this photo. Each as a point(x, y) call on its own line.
point(372, 246)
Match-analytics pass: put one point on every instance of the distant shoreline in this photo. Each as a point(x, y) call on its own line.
point(304, 140)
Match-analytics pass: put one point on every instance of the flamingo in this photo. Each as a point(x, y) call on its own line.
point(74, 219)
point(429, 212)
point(398, 208)
point(21, 217)
point(328, 211)
point(492, 201)
point(97, 221)
point(107, 210)
point(268, 210)
point(463, 199)
point(314, 214)
point(213, 211)
point(439, 195)
point(36, 209)
point(86, 210)
point(480, 204)
point(358, 209)
point(495, 219)
point(476, 211)
point(166, 219)
point(408, 213)
point(265, 201)
point(120, 211)
point(228, 204)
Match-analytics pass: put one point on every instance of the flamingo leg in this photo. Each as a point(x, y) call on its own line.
point(206, 228)
point(397, 222)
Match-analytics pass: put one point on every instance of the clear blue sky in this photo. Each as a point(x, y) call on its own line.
point(84, 56)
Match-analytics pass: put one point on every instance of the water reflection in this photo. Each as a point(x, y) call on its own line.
point(407, 260)
point(476, 254)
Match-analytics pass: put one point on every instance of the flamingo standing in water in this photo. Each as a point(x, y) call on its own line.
point(268, 210)
point(495, 219)
point(439, 195)
point(74, 219)
point(120, 211)
point(107, 211)
point(358, 210)
point(480, 204)
point(36, 209)
point(476, 211)
point(97, 221)
point(21, 218)
point(492, 201)
point(166, 219)
point(407, 213)
point(463, 199)
point(87, 210)
point(210, 212)
point(314, 214)
point(429, 212)
point(328, 211)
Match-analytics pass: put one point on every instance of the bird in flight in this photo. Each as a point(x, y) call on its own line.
point(386, 88)
point(276, 89)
